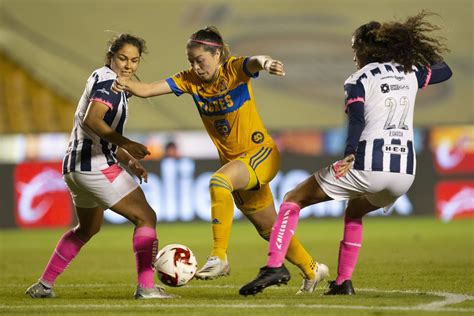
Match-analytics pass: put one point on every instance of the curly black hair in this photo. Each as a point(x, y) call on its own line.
point(405, 43)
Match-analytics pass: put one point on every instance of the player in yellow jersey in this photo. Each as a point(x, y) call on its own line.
point(221, 89)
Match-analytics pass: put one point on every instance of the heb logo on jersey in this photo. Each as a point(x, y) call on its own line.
point(41, 196)
point(454, 199)
point(395, 149)
point(453, 149)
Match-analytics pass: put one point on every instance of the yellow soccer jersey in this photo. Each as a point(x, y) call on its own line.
point(227, 107)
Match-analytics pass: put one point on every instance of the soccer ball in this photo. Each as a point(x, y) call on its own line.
point(175, 265)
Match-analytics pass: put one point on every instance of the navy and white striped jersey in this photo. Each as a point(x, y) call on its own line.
point(386, 96)
point(87, 151)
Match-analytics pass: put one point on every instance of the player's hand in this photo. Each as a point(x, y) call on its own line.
point(136, 150)
point(274, 67)
point(120, 84)
point(341, 167)
point(138, 170)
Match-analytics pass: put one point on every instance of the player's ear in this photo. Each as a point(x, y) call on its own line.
point(218, 54)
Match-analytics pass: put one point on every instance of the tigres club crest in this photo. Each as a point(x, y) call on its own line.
point(222, 86)
point(257, 137)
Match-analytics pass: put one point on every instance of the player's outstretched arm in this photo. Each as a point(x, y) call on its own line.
point(95, 122)
point(273, 66)
point(440, 72)
point(141, 89)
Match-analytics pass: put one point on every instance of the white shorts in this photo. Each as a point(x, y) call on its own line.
point(381, 189)
point(100, 188)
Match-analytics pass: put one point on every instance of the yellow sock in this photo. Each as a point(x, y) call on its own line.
point(297, 255)
point(222, 211)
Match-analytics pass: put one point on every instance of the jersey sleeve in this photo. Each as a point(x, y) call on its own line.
point(354, 92)
point(246, 71)
point(179, 83)
point(237, 67)
point(102, 92)
point(355, 127)
point(431, 75)
point(355, 106)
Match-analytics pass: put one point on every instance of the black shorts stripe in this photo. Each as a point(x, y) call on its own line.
point(86, 155)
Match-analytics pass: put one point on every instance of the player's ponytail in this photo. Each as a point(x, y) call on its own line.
point(211, 40)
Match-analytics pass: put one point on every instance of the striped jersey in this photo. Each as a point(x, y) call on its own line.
point(86, 151)
point(227, 107)
point(388, 94)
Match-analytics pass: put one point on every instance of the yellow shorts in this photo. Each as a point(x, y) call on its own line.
point(263, 163)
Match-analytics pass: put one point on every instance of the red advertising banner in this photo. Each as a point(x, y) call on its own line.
point(454, 199)
point(453, 149)
point(41, 196)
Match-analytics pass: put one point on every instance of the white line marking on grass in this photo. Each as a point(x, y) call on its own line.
point(450, 298)
point(161, 305)
point(437, 306)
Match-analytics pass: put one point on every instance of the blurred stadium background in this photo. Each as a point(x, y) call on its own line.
point(49, 47)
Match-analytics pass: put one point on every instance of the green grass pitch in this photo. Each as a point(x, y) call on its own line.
point(407, 266)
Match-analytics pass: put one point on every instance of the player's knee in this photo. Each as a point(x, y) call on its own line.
point(145, 218)
point(305, 198)
point(293, 196)
point(359, 207)
point(152, 217)
point(86, 233)
point(355, 213)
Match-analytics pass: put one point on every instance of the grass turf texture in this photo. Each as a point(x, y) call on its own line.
point(403, 266)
